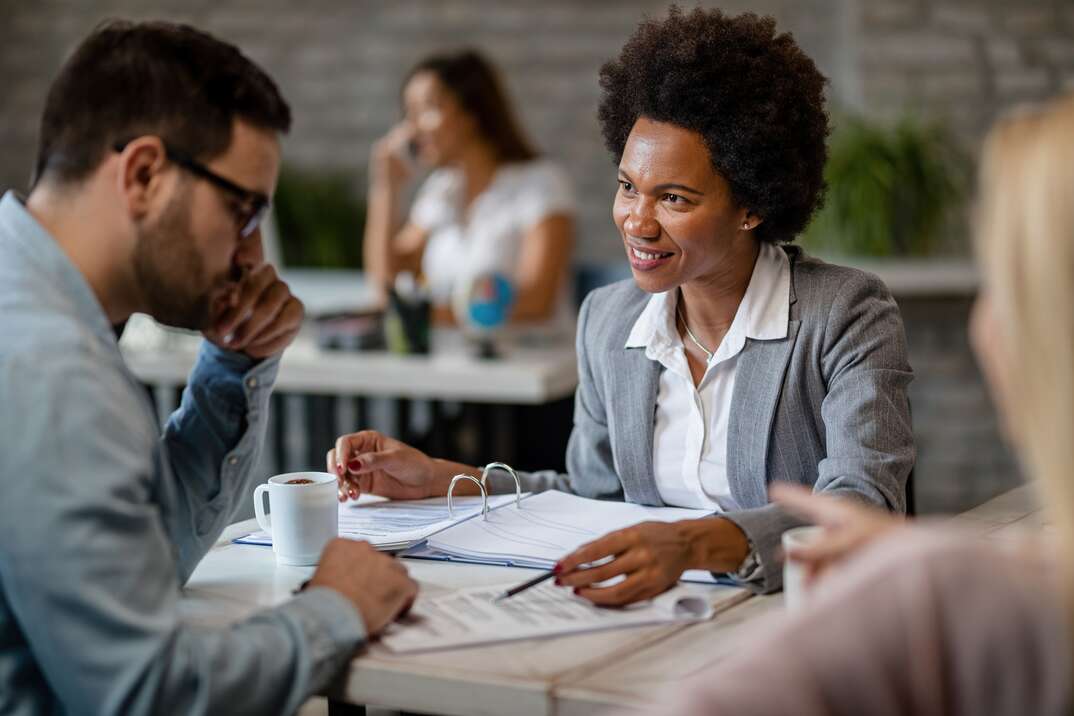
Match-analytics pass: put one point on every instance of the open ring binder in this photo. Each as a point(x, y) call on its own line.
point(482, 485)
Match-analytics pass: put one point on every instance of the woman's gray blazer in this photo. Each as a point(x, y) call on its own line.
point(826, 406)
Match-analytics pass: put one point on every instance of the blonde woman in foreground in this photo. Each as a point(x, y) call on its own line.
point(923, 620)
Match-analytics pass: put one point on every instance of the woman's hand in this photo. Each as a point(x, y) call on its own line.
point(389, 167)
point(368, 461)
point(651, 556)
point(848, 526)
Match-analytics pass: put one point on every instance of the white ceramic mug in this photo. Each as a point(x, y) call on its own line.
point(794, 588)
point(303, 515)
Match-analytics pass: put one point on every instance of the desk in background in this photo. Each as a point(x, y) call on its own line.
point(522, 376)
point(448, 403)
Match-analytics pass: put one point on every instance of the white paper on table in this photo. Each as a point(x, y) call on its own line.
point(469, 617)
point(397, 524)
point(549, 526)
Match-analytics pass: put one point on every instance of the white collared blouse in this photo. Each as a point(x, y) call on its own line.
point(690, 425)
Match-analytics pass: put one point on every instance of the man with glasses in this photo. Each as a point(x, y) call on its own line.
point(248, 206)
point(158, 154)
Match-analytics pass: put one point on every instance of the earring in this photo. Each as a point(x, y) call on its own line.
point(745, 226)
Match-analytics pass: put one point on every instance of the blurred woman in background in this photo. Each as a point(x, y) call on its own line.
point(923, 620)
point(490, 203)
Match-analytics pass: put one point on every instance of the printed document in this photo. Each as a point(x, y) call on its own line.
point(469, 617)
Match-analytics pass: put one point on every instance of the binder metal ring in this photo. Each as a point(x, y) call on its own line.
point(510, 471)
point(480, 486)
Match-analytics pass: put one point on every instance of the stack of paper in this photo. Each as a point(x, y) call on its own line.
point(470, 617)
point(547, 527)
point(391, 525)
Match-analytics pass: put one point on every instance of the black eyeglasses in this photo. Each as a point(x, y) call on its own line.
point(253, 204)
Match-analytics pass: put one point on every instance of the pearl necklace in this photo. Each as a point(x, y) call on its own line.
point(710, 354)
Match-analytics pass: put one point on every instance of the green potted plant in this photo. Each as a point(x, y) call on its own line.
point(892, 189)
point(320, 217)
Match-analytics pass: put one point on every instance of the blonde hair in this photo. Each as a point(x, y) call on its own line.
point(1025, 246)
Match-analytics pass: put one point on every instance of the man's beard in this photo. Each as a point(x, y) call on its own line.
point(171, 273)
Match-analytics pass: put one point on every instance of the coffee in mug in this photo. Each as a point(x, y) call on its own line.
point(302, 515)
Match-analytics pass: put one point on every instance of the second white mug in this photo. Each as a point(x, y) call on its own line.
point(302, 517)
point(794, 588)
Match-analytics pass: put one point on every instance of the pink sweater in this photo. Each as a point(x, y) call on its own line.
point(924, 622)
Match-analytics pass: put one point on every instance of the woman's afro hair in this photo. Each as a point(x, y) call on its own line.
point(754, 97)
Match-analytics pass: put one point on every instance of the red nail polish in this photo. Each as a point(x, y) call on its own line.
point(559, 582)
point(557, 569)
point(354, 465)
point(577, 590)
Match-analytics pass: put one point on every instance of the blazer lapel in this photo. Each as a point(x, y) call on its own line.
point(761, 373)
point(762, 367)
point(634, 406)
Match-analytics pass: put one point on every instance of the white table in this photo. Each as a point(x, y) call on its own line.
point(583, 674)
point(529, 372)
point(522, 677)
point(321, 394)
point(527, 376)
point(641, 676)
point(523, 376)
point(382, 386)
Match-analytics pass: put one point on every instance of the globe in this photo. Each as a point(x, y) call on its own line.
point(485, 303)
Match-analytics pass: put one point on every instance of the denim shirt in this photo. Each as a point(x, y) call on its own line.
point(103, 516)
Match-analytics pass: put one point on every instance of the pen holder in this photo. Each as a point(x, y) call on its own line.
point(482, 485)
point(406, 324)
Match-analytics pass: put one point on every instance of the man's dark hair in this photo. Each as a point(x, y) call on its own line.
point(475, 84)
point(130, 79)
point(752, 94)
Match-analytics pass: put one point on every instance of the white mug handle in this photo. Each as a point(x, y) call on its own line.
point(264, 521)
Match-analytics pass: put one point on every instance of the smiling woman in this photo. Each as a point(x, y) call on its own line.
point(682, 228)
point(731, 360)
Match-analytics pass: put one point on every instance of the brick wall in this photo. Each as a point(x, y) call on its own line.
point(964, 60)
point(961, 458)
point(340, 63)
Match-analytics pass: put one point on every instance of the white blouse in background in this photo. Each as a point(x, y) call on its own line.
point(488, 235)
point(690, 427)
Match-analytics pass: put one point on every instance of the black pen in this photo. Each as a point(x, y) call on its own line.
point(525, 585)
